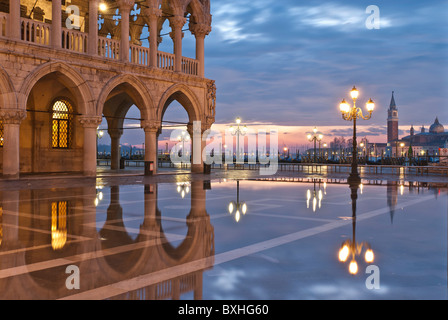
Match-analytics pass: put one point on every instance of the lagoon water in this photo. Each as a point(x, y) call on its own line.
point(225, 239)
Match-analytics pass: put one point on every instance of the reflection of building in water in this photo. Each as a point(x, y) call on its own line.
point(392, 198)
point(45, 231)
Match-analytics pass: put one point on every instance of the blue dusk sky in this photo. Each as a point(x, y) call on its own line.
point(289, 63)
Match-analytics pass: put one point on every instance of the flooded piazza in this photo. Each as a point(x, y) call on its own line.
point(279, 238)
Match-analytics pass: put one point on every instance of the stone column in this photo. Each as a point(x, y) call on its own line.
point(153, 14)
point(152, 129)
point(177, 23)
point(90, 125)
point(93, 27)
point(14, 19)
point(125, 9)
point(115, 135)
point(195, 131)
point(56, 24)
point(11, 141)
point(200, 31)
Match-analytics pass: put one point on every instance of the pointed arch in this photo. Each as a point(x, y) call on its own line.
point(135, 89)
point(8, 97)
point(182, 94)
point(68, 76)
point(196, 9)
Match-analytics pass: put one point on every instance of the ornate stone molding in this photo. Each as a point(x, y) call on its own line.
point(90, 121)
point(199, 127)
point(12, 116)
point(151, 126)
point(211, 98)
point(125, 5)
point(200, 29)
point(115, 133)
point(152, 12)
point(177, 22)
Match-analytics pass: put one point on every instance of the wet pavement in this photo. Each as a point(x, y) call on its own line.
point(228, 235)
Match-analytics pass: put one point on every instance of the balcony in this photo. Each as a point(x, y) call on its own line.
point(40, 33)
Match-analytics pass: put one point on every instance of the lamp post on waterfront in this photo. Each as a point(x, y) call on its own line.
point(237, 131)
point(99, 135)
point(184, 137)
point(315, 136)
point(352, 114)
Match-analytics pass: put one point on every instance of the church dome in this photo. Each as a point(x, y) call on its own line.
point(437, 127)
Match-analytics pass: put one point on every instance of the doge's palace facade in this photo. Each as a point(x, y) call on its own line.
point(64, 65)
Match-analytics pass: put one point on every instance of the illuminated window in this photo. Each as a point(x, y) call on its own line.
point(1, 134)
point(58, 224)
point(62, 121)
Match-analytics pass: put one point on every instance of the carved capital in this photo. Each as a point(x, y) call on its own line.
point(90, 121)
point(152, 12)
point(125, 4)
point(151, 126)
point(200, 29)
point(177, 22)
point(115, 133)
point(12, 116)
point(197, 128)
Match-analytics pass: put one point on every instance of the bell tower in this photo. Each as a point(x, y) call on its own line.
point(392, 121)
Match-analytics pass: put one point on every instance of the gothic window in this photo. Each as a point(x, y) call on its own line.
point(62, 115)
point(59, 224)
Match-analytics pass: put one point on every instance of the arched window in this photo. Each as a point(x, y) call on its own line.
point(62, 117)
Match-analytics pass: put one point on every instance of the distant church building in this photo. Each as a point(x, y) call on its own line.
point(422, 143)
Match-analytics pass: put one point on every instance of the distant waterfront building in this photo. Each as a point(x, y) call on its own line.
point(422, 143)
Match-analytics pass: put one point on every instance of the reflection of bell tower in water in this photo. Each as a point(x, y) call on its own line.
point(392, 121)
point(392, 198)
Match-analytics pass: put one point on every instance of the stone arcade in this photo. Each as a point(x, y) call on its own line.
point(57, 83)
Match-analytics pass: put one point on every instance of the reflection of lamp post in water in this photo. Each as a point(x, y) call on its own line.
point(351, 247)
point(237, 207)
point(183, 189)
point(316, 195)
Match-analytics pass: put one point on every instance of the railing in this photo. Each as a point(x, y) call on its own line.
point(74, 40)
point(3, 23)
point(108, 48)
point(35, 31)
point(190, 66)
point(40, 33)
point(165, 61)
point(139, 55)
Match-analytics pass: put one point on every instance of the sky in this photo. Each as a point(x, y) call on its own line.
point(288, 64)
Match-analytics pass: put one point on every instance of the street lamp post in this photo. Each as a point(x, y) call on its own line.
point(184, 137)
point(352, 114)
point(99, 135)
point(238, 130)
point(314, 137)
